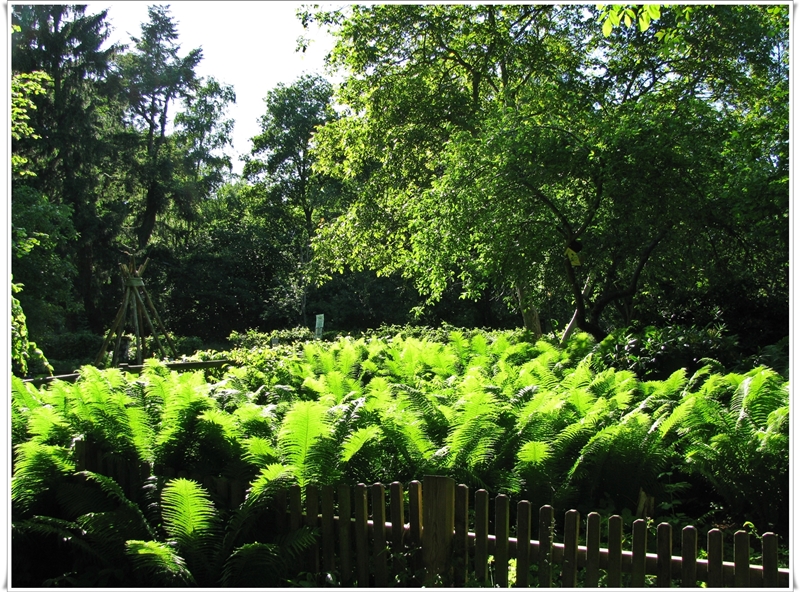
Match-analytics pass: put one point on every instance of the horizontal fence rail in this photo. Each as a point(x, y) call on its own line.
point(432, 536)
point(136, 369)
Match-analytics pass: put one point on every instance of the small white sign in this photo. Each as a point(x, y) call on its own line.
point(320, 325)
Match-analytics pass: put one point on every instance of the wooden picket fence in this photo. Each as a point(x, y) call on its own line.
point(432, 537)
point(440, 540)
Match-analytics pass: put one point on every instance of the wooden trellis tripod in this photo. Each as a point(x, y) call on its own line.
point(135, 298)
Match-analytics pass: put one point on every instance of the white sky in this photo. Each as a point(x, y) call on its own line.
point(249, 45)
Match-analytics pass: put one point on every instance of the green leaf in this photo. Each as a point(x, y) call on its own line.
point(159, 560)
point(534, 452)
point(188, 513)
point(355, 441)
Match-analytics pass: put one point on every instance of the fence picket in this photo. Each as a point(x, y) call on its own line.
point(345, 530)
point(714, 558)
point(523, 543)
point(328, 560)
point(280, 509)
point(592, 578)
point(689, 557)
point(295, 507)
point(769, 561)
point(639, 557)
point(461, 540)
point(741, 559)
point(438, 521)
point(501, 525)
point(481, 534)
point(415, 522)
point(664, 552)
point(379, 535)
point(569, 570)
point(312, 511)
point(545, 559)
point(397, 516)
point(614, 552)
point(361, 536)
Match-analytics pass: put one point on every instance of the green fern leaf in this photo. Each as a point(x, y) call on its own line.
point(160, 562)
point(303, 426)
point(535, 453)
point(355, 441)
point(188, 513)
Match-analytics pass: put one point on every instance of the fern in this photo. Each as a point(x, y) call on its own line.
point(266, 564)
point(534, 453)
point(474, 431)
point(38, 468)
point(190, 520)
point(159, 563)
point(303, 426)
point(355, 441)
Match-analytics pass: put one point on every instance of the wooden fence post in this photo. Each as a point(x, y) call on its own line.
point(546, 524)
point(715, 579)
point(664, 551)
point(639, 556)
point(769, 554)
point(461, 542)
point(397, 516)
point(312, 509)
point(523, 543)
point(415, 522)
point(501, 531)
point(481, 534)
point(741, 559)
point(614, 551)
point(345, 528)
point(592, 550)
point(328, 562)
point(689, 557)
point(362, 536)
point(569, 573)
point(379, 535)
point(438, 521)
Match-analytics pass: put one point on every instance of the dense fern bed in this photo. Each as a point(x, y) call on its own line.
point(493, 410)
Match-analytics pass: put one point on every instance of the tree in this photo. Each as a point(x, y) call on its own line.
point(486, 141)
point(281, 163)
point(155, 77)
point(75, 122)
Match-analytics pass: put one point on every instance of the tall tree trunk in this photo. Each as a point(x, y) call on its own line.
point(587, 287)
point(530, 315)
point(148, 224)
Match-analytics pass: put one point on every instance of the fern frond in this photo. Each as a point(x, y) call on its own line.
point(37, 468)
point(46, 425)
point(65, 530)
point(534, 453)
point(258, 451)
point(112, 489)
point(581, 400)
point(474, 431)
point(160, 562)
point(758, 395)
point(188, 513)
point(355, 441)
point(269, 481)
point(254, 565)
point(303, 425)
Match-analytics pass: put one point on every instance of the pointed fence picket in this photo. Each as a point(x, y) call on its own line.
point(433, 545)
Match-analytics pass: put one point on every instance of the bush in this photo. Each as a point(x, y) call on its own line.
point(654, 353)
